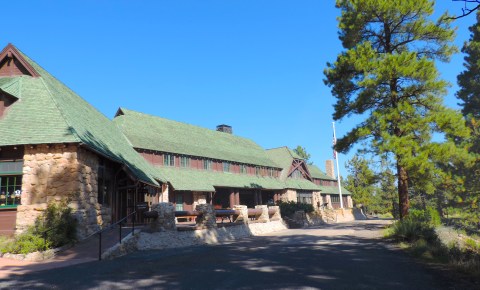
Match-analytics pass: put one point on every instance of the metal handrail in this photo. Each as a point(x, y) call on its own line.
point(119, 222)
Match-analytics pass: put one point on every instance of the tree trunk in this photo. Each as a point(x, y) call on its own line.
point(404, 202)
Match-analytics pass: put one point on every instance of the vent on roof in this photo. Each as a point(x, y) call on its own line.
point(225, 129)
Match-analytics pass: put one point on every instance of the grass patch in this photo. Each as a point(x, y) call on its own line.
point(385, 216)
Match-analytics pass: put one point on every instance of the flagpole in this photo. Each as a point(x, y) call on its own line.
point(338, 168)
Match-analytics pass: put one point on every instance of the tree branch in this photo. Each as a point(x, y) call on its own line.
point(466, 10)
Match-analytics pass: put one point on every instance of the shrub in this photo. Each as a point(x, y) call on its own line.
point(25, 243)
point(411, 230)
point(430, 216)
point(288, 208)
point(59, 224)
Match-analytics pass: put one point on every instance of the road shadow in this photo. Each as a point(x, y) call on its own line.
point(267, 262)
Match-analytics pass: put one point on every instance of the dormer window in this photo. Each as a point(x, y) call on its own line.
point(5, 102)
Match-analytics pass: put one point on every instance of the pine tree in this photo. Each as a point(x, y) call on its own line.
point(387, 75)
point(302, 152)
point(469, 94)
point(360, 181)
point(469, 79)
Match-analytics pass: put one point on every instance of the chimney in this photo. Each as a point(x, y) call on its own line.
point(329, 167)
point(225, 129)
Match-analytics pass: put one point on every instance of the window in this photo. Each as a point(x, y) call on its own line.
point(243, 168)
point(226, 166)
point(179, 202)
point(257, 170)
point(296, 174)
point(271, 172)
point(304, 197)
point(168, 160)
point(10, 190)
point(184, 161)
point(207, 164)
point(335, 198)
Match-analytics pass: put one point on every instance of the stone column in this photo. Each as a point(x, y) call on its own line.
point(207, 219)
point(166, 217)
point(276, 216)
point(329, 201)
point(263, 217)
point(243, 216)
point(349, 202)
point(165, 193)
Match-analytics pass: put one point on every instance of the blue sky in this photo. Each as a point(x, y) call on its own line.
point(255, 65)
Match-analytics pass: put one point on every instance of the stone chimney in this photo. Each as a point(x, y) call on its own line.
point(225, 129)
point(329, 167)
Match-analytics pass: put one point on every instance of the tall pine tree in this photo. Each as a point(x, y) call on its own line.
point(360, 181)
point(469, 94)
point(387, 75)
point(469, 79)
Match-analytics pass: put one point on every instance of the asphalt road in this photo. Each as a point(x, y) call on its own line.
point(348, 256)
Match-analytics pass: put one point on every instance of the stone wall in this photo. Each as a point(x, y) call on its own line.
point(165, 192)
point(316, 199)
point(52, 173)
point(288, 195)
point(199, 198)
point(144, 241)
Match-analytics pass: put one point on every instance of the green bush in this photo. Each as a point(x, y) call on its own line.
point(411, 230)
point(430, 216)
point(25, 243)
point(288, 208)
point(58, 223)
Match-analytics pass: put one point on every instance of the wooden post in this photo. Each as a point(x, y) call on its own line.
point(237, 197)
point(232, 198)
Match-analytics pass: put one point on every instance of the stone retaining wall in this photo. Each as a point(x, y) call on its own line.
point(144, 241)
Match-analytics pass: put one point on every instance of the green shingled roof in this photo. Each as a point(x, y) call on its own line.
point(48, 112)
point(315, 172)
point(284, 156)
point(301, 183)
point(159, 134)
point(333, 190)
point(201, 180)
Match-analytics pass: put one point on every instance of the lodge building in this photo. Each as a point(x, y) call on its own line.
point(55, 146)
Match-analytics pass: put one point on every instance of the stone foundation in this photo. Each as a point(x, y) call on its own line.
point(176, 239)
point(52, 173)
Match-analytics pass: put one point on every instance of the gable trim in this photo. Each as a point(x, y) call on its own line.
point(11, 52)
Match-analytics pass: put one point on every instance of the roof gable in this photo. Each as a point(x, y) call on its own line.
point(289, 161)
point(301, 166)
point(12, 63)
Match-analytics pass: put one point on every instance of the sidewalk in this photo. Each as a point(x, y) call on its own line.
point(85, 251)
